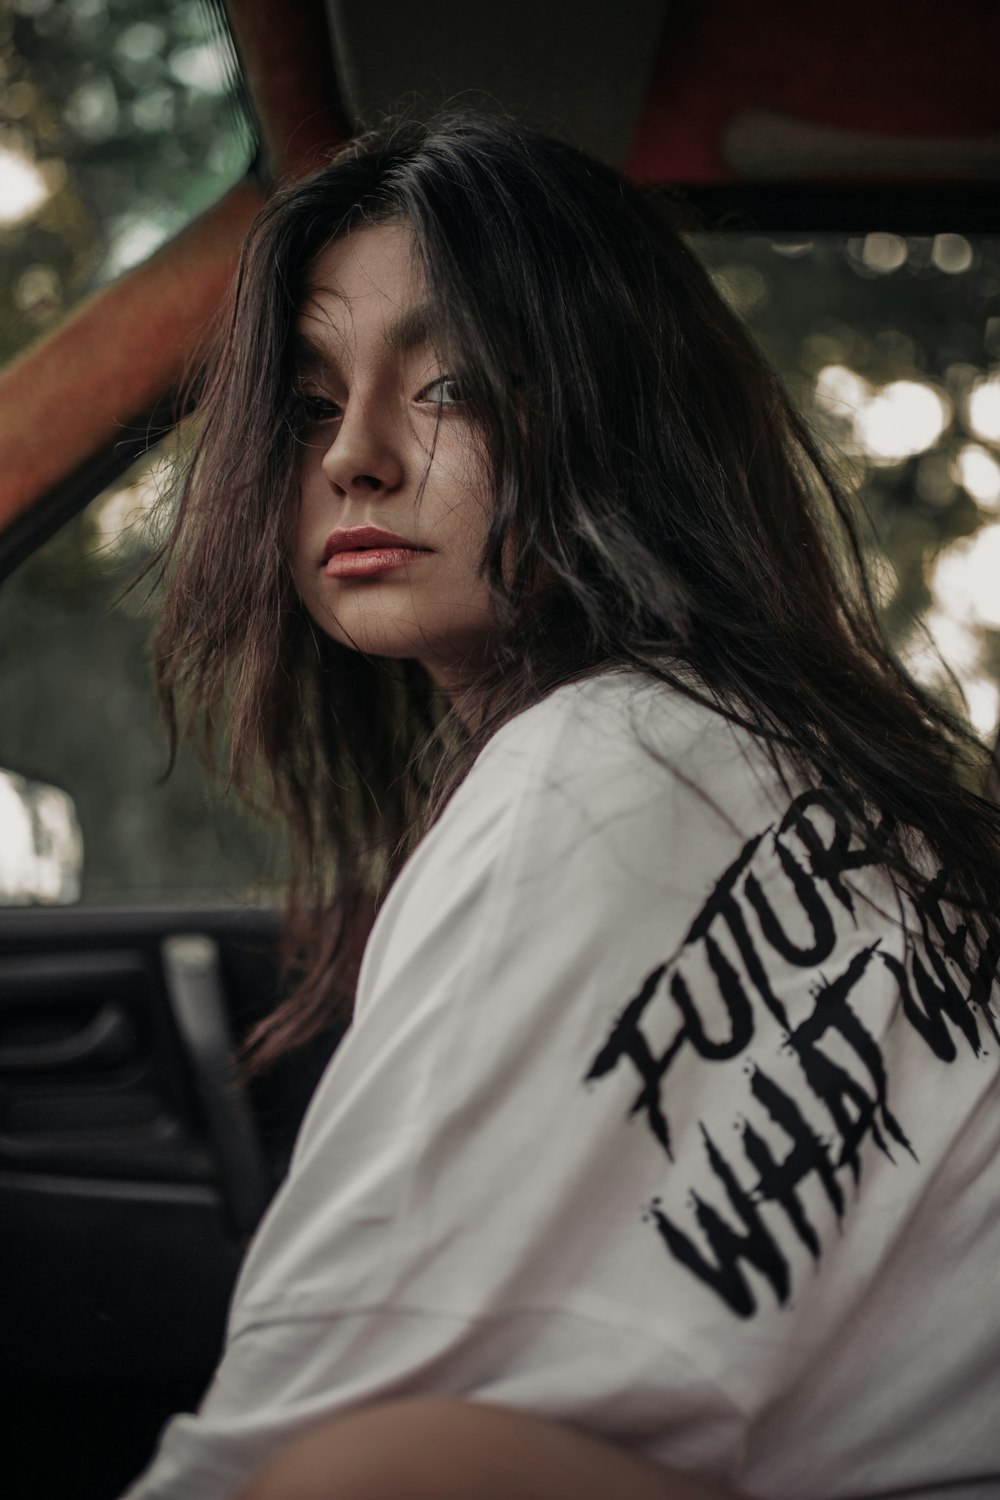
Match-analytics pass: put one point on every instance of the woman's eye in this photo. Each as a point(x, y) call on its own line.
point(312, 417)
point(445, 391)
point(313, 407)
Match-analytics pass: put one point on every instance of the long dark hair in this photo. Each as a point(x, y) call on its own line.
point(647, 466)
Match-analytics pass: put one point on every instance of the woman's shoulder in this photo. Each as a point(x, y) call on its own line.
point(621, 732)
point(611, 696)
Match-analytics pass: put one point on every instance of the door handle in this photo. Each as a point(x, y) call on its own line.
point(104, 1039)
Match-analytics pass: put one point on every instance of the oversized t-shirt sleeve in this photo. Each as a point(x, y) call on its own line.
point(455, 1185)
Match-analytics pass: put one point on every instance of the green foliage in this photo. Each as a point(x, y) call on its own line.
point(78, 714)
point(133, 113)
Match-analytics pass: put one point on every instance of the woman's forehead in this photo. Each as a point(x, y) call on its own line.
point(367, 283)
point(377, 260)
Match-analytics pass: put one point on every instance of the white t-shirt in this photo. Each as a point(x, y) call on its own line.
point(648, 1121)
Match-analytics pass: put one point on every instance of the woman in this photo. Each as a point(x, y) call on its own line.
point(660, 1158)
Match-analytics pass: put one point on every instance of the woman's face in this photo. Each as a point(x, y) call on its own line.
point(380, 416)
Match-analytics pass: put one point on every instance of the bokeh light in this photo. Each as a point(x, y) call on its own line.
point(978, 472)
point(132, 517)
point(903, 418)
point(965, 580)
point(23, 189)
point(842, 392)
point(883, 252)
point(743, 287)
point(943, 650)
point(983, 408)
point(41, 846)
point(888, 423)
point(951, 253)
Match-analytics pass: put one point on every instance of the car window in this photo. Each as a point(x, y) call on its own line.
point(890, 346)
point(120, 121)
point(78, 719)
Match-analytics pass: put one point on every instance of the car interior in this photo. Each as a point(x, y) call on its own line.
point(837, 168)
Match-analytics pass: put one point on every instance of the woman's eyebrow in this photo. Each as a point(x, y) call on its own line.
point(413, 328)
point(409, 331)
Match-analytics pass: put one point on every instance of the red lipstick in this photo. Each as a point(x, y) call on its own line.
point(360, 551)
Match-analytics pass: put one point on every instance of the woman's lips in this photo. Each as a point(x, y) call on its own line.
point(372, 560)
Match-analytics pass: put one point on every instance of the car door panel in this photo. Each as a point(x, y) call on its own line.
point(133, 1168)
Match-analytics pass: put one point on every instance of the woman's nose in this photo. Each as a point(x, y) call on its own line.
point(365, 454)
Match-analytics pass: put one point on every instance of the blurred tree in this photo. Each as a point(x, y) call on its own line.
point(882, 340)
point(132, 114)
